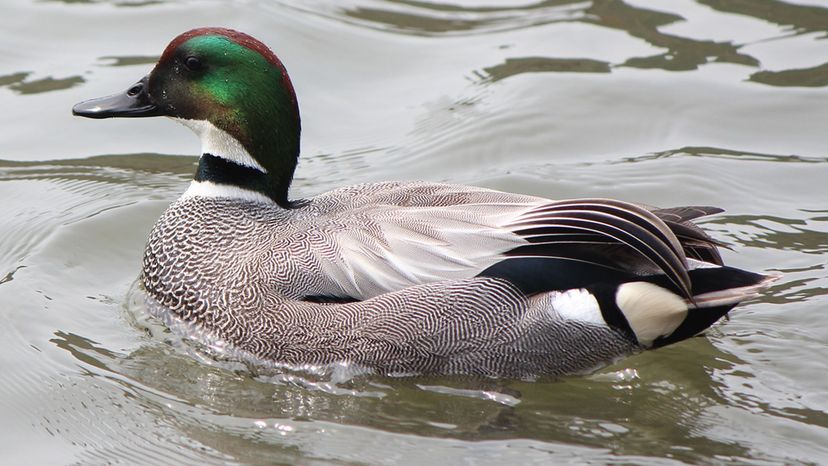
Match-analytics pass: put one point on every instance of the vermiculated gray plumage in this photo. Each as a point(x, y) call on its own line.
point(241, 270)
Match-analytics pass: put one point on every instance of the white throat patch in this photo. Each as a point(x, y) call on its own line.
point(219, 143)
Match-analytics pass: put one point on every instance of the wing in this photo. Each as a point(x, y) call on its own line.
point(378, 238)
point(595, 238)
point(385, 237)
point(697, 244)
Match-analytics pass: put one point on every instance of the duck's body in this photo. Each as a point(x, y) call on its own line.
point(284, 288)
point(403, 277)
point(262, 296)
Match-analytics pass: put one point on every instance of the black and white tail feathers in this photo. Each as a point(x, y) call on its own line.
point(633, 261)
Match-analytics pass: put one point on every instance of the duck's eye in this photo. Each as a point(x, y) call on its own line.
point(192, 63)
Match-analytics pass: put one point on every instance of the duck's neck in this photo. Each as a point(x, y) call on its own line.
point(228, 169)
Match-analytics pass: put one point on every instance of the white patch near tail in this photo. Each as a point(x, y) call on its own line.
point(217, 142)
point(651, 310)
point(210, 189)
point(577, 304)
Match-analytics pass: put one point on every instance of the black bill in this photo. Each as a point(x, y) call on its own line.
point(135, 102)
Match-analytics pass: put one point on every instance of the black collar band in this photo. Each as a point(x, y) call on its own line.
point(222, 171)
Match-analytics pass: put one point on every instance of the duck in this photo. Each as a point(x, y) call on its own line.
point(400, 278)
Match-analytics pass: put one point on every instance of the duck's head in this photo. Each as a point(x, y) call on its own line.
point(235, 94)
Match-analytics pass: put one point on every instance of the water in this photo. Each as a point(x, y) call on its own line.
point(681, 102)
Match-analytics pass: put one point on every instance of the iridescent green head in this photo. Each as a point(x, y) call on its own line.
point(234, 92)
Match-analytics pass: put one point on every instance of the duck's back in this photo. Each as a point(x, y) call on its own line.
point(351, 243)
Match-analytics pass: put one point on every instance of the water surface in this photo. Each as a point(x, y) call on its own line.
point(668, 103)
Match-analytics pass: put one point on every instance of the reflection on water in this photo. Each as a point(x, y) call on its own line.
point(677, 404)
point(667, 103)
point(12, 79)
point(726, 154)
point(18, 82)
point(513, 66)
point(816, 76)
point(98, 165)
point(45, 85)
point(801, 18)
point(426, 19)
point(805, 235)
point(131, 60)
point(681, 53)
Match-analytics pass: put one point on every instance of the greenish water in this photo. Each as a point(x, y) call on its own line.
point(682, 102)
